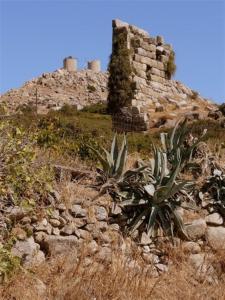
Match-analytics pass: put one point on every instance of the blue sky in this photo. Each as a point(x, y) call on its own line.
point(35, 36)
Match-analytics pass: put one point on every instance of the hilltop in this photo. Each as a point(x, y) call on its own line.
point(85, 87)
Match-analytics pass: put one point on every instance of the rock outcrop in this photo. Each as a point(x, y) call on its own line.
point(53, 90)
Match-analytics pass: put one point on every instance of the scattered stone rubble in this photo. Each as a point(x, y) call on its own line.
point(99, 226)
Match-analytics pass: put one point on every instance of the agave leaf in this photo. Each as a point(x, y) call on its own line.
point(114, 149)
point(136, 171)
point(109, 159)
point(161, 194)
point(163, 167)
point(163, 137)
point(173, 176)
point(173, 135)
point(121, 158)
point(152, 220)
point(103, 162)
point(133, 202)
point(140, 219)
point(164, 222)
point(176, 188)
point(150, 189)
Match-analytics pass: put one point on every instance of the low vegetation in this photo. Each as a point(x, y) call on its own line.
point(150, 176)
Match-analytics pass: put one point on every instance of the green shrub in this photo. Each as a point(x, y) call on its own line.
point(120, 85)
point(97, 108)
point(195, 94)
point(68, 110)
point(8, 263)
point(22, 175)
point(222, 108)
point(91, 88)
point(171, 66)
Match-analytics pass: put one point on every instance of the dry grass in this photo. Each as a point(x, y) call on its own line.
point(72, 279)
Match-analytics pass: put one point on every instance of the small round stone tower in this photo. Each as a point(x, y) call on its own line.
point(94, 65)
point(70, 64)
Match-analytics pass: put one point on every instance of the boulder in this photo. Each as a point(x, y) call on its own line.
point(101, 213)
point(214, 219)
point(29, 252)
point(77, 211)
point(55, 245)
point(216, 237)
point(196, 229)
point(145, 239)
point(191, 247)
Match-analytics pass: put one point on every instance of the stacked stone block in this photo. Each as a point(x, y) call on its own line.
point(148, 59)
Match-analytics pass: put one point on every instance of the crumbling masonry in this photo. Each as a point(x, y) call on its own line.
point(140, 68)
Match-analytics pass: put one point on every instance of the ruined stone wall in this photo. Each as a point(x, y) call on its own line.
point(148, 59)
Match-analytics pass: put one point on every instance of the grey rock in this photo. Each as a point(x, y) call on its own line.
point(55, 222)
point(214, 219)
point(150, 258)
point(216, 237)
point(196, 229)
point(92, 247)
point(205, 271)
point(83, 234)
point(162, 268)
point(68, 229)
point(16, 213)
point(55, 231)
point(43, 226)
point(116, 210)
point(55, 245)
point(101, 213)
point(39, 236)
point(29, 252)
point(105, 254)
point(77, 211)
point(61, 207)
point(145, 239)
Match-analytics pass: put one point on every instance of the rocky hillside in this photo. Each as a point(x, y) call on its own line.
point(53, 90)
point(81, 88)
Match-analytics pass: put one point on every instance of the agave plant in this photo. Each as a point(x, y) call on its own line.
point(180, 139)
point(156, 197)
point(112, 162)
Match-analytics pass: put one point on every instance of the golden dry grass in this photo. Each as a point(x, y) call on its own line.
point(71, 279)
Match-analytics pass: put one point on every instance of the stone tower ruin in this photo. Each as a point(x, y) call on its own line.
point(140, 68)
point(70, 64)
point(94, 65)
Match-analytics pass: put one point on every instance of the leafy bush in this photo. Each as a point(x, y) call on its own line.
point(68, 110)
point(21, 175)
point(171, 66)
point(91, 88)
point(8, 263)
point(222, 108)
point(97, 108)
point(195, 94)
point(120, 85)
